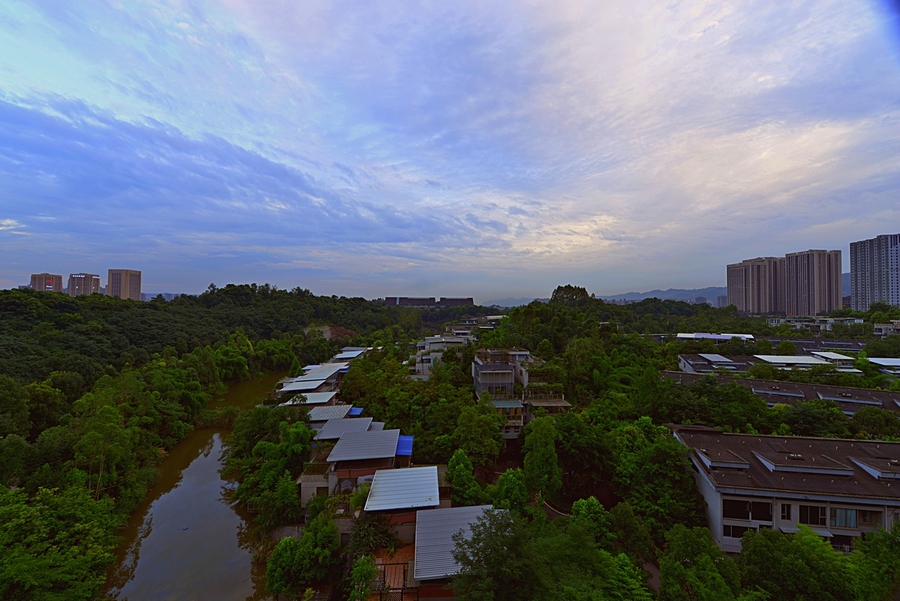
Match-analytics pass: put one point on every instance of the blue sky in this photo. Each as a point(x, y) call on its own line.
point(458, 149)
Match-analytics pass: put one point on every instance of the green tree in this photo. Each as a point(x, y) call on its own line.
point(298, 563)
point(362, 574)
point(464, 489)
point(795, 567)
point(511, 492)
point(54, 546)
point(693, 568)
point(478, 433)
point(13, 408)
point(786, 347)
point(542, 472)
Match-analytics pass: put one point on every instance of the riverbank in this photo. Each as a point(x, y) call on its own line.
point(187, 540)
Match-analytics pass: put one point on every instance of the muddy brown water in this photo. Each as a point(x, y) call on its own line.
point(187, 540)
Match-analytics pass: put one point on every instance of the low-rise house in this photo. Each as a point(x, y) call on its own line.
point(814, 324)
point(316, 378)
point(319, 416)
point(848, 398)
point(716, 338)
point(839, 488)
point(548, 403)
point(883, 330)
point(513, 411)
point(398, 494)
point(434, 563)
point(887, 366)
point(497, 371)
point(312, 399)
point(707, 363)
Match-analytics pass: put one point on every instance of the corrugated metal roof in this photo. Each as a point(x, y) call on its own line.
point(323, 414)
point(434, 539)
point(312, 398)
point(302, 386)
point(404, 489)
point(356, 446)
point(376, 426)
point(321, 372)
point(404, 446)
point(347, 355)
point(335, 428)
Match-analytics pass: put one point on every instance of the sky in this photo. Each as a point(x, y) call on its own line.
point(485, 149)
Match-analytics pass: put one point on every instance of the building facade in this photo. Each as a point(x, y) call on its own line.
point(124, 283)
point(839, 488)
point(757, 285)
point(875, 271)
point(81, 284)
point(46, 282)
point(812, 282)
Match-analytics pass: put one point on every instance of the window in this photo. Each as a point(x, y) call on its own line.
point(869, 517)
point(843, 518)
point(812, 515)
point(736, 510)
point(761, 512)
point(786, 512)
point(734, 531)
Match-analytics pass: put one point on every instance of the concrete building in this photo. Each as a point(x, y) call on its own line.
point(82, 284)
point(757, 285)
point(812, 282)
point(839, 488)
point(497, 371)
point(875, 271)
point(46, 282)
point(124, 283)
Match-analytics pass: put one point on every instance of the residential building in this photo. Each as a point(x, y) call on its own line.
point(884, 330)
point(812, 282)
point(875, 271)
point(83, 284)
point(124, 283)
point(722, 301)
point(46, 282)
point(434, 563)
point(513, 411)
point(815, 324)
point(396, 495)
point(757, 285)
point(497, 371)
point(429, 302)
point(776, 392)
point(839, 488)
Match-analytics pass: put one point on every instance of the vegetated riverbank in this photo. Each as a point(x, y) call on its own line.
point(187, 539)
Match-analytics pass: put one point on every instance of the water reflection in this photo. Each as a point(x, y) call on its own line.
point(187, 540)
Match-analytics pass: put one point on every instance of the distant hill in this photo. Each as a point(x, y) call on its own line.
point(672, 293)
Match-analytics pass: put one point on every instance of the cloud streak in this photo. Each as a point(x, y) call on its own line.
point(386, 148)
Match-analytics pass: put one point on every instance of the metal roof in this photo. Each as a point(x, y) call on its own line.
point(312, 398)
point(405, 488)
point(335, 428)
point(830, 355)
point(715, 358)
point(301, 386)
point(321, 372)
point(404, 446)
point(791, 360)
point(347, 355)
point(356, 446)
point(323, 414)
point(885, 362)
point(434, 539)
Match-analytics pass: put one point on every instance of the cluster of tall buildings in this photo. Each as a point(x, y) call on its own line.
point(123, 283)
point(808, 283)
point(800, 283)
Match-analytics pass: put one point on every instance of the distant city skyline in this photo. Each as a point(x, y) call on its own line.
point(465, 149)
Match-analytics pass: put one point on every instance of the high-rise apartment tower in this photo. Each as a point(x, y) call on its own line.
point(812, 282)
point(124, 283)
point(757, 285)
point(875, 271)
point(48, 282)
point(81, 284)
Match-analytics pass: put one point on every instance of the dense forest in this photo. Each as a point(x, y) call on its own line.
point(94, 391)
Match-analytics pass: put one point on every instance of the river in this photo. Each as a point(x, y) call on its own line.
point(186, 540)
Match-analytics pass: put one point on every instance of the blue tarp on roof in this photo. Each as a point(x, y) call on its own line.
point(355, 411)
point(404, 446)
